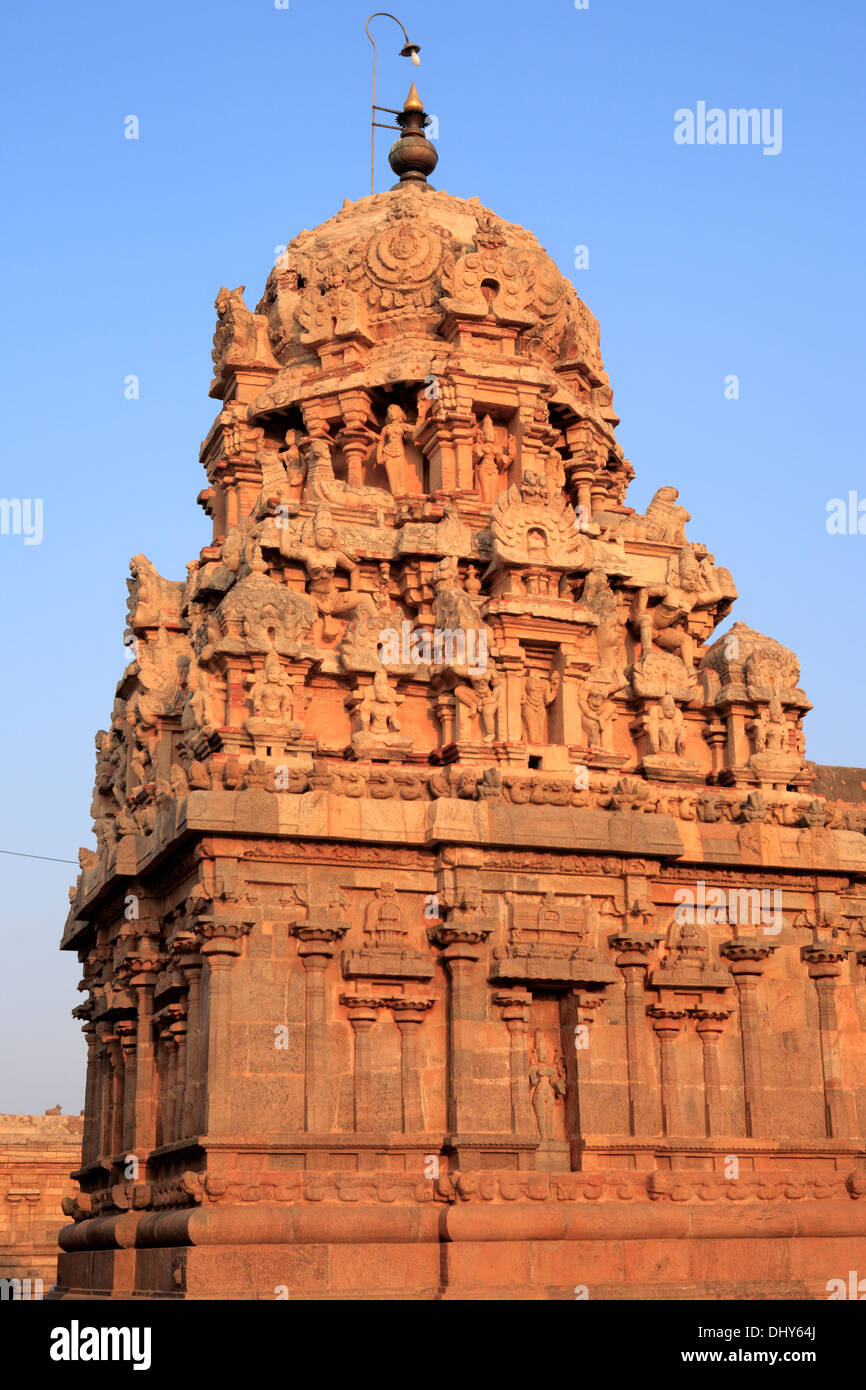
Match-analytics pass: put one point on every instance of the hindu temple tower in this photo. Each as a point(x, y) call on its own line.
point(465, 920)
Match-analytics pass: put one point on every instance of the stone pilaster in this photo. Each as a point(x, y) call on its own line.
point(709, 1028)
point(409, 1015)
point(825, 960)
point(632, 961)
point(317, 946)
point(515, 1005)
point(747, 960)
point(667, 1024)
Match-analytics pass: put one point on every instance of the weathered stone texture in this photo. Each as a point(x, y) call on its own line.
point(37, 1153)
point(465, 919)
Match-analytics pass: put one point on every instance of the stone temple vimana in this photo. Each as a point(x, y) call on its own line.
point(465, 921)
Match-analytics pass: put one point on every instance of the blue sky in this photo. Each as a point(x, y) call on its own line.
point(704, 262)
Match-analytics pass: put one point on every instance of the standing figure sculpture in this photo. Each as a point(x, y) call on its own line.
point(490, 462)
point(391, 448)
point(546, 1086)
point(538, 694)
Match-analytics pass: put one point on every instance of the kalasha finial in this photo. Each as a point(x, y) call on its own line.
point(409, 50)
point(413, 157)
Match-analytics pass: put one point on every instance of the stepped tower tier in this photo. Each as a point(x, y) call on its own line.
point(402, 796)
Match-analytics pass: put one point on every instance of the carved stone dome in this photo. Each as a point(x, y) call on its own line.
point(393, 266)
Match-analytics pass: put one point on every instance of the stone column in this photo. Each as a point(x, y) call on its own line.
point(103, 1097)
point(515, 1006)
point(463, 950)
point(709, 1030)
point(163, 1073)
point(223, 941)
point(825, 961)
point(317, 945)
point(191, 967)
point(114, 1128)
point(179, 1031)
point(145, 1062)
point(747, 962)
point(90, 1139)
point(127, 1031)
point(409, 1015)
point(667, 1024)
point(583, 1012)
point(362, 1013)
point(632, 961)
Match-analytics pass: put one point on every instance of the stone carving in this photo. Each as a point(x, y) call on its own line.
point(375, 707)
point(322, 560)
point(330, 309)
point(481, 698)
point(490, 279)
point(490, 460)
point(391, 448)
point(663, 623)
point(539, 693)
point(402, 259)
point(287, 810)
point(547, 1084)
point(384, 923)
point(666, 728)
point(749, 665)
point(554, 474)
point(322, 486)
point(278, 305)
point(258, 613)
point(240, 338)
point(665, 519)
point(597, 713)
point(274, 702)
point(153, 601)
point(600, 599)
point(529, 529)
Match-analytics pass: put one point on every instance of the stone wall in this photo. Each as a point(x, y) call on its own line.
point(37, 1155)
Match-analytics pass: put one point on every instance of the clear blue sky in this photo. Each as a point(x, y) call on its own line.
point(704, 262)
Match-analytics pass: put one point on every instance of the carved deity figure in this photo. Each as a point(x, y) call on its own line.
point(322, 559)
point(321, 484)
point(666, 727)
point(271, 692)
point(538, 694)
point(481, 699)
point(776, 726)
point(665, 623)
point(547, 1086)
point(596, 712)
point(600, 599)
point(549, 916)
point(383, 921)
point(391, 448)
point(490, 461)
point(554, 473)
point(377, 707)
point(292, 458)
point(770, 730)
